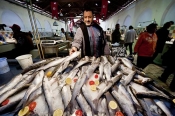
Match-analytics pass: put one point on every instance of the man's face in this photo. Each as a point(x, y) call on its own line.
point(88, 17)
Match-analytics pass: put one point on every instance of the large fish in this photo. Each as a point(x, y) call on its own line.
point(84, 105)
point(127, 63)
point(52, 92)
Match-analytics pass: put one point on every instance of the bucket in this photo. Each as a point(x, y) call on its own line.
point(25, 60)
point(4, 67)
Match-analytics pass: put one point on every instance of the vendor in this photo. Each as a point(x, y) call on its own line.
point(23, 46)
point(89, 37)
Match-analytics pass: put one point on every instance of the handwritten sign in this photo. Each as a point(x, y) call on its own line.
point(119, 51)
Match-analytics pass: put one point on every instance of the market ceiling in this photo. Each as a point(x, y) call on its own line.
point(73, 8)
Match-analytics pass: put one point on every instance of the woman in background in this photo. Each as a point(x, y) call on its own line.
point(145, 46)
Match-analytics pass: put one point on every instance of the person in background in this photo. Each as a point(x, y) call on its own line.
point(129, 38)
point(23, 46)
point(163, 36)
point(63, 33)
point(116, 35)
point(145, 46)
point(71, 34)
point(89, 37)
point(2, 26)
point(169, 58)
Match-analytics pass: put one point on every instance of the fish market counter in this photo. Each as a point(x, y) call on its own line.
point(89, 86)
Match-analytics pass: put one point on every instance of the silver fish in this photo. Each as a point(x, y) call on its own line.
point(111, 59)
point(101, 70)
point(84, 105)
point(142, 79)
point(128, 78)
point(127, 63)
point(52, 94)
point(66, 95)
point(105, 106)
point(102, 107)
point(107, 71)
point(104, 60)
point(115, 66)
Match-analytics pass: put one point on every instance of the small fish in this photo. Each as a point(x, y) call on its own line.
point(107, 71)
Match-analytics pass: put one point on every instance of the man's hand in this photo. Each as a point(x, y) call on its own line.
point(72, 50)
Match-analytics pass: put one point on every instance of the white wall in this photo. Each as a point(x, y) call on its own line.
point(13, 14)
point(141, 11)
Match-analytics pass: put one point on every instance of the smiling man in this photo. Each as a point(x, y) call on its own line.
point(89, 37)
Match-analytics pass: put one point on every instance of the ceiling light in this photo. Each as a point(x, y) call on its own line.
point(37, 0)
point(109, 1)
point(96, 4)
point(69, 5)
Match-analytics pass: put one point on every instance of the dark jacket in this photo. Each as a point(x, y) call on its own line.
point(162, 35)
point(116, 36)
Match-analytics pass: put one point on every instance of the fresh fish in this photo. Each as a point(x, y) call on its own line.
point(109, 98)
point(163, 107)
point(82, 62)
point(13, 100)
point(73, 56)
point(84, 105)
point(66, 95)
point(11, 84)
point(74, 109)
point(142, 79)
point(127, 63)
point(104, 88)
point(111, 59)
point(70, 67)
point(87, 94)
point(128, 78)
point(107, 71)
point(91, 68)
point(37, 82)
point(115, 66)
point(125, 69)
point(52, 94)
point(125, 104)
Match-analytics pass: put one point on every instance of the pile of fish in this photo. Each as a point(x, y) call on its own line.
point(89, 86)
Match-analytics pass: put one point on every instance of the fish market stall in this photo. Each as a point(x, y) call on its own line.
point(89, 86)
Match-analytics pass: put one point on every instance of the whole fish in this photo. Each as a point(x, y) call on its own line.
point(101, 70)
point(66, 95)
point(127, 63)
point(125, 69)
point(142, 79)
point(70, 67)
point(104, 107)
point(52, 92)
point(109, 98)
point(104, 60)
point(163, 107)
point(84, 105)
point(107, 71)
point(11, 84)
point(13, 100)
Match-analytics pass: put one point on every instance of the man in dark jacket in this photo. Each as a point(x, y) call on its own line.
point(24, 43)
point(116, 35)
point(169, 58)
point(163, 36)
point(89, 37)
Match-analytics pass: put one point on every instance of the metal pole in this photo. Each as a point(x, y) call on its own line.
point(34, 19)
point(33, 28)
